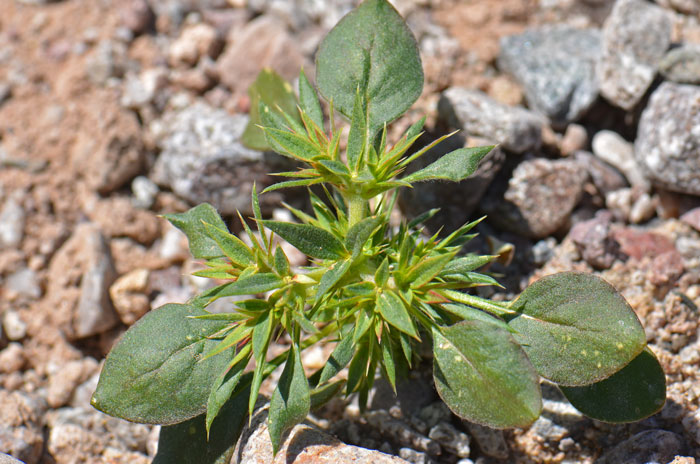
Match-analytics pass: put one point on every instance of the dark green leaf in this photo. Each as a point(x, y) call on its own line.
point(192, 224)
point(339, 358)
point(576, 329)
point(293, 183)
point(395, 312)
point(454, 166)
point(357, 138)
point(468, 313)
point(187, 443)
point(388, 361)
point(262, 332)
point(466, 264)
point(321, 395)
point(251, 285)
point(290, 402)
point(234, 249)
point(154, 374)
point(374, 45)
point(415, 129)
point(221, 392)
point(633, 393)
point(484, 376)
point(315, 242)
point(336, 167)
point(273, 91)
point(330, 278)
point(381, 275)
point(358, 367)
point(293, 145)
point(361, 232)
point(427, 268)
point(309, 100)
point(281, 262)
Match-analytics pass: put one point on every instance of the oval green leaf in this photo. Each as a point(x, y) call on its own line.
point(635, 392)
point(154, 374)
point(576, 328)
point(192, 222)
point(373, 49)
point(484, 376)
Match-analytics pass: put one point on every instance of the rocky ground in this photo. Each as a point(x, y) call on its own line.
point(113, 112)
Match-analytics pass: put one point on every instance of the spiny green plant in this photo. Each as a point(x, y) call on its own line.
point(372, 289)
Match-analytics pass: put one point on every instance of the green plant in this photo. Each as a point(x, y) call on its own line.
point(374, 289)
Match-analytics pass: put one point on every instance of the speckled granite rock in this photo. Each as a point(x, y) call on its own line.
point(515, 128)
point(556, 67)
point(682, 64)
point(303, 444)
point(668, 141)
point(635, 37)
point(538, 198)
point(202, 159)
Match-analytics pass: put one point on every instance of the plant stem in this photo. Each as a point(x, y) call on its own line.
point(356, 208)
point(476, 302)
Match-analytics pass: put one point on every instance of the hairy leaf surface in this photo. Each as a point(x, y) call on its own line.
point(576, 328)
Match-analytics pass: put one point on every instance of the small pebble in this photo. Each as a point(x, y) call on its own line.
point(15, 328)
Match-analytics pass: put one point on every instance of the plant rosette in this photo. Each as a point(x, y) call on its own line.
point(372, 289)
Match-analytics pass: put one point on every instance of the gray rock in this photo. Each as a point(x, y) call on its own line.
point(605, 178)
point(24, 282)
point(610, 147)
point(650, 446)
point(7, 459)
point(635, 37)
point(302, 443)
point(490, 441)
point(682, 64)
point(668, 139)
point(452, 440)
point(302, 14)
point(21, 433)
point(539, 197)
point(515, 128)
point(95, 313)
point(415, 457)
point(556, 67)
point(457, 201)
point(142, 89)
point(145, 192)
point(11, 222)
point(400, 432)
point(85, 261)
point(202, 159)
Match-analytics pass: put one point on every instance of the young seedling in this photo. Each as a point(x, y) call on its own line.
point(372, 289)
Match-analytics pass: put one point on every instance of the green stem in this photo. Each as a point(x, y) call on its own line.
point(356, 208)
point(476, 302)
